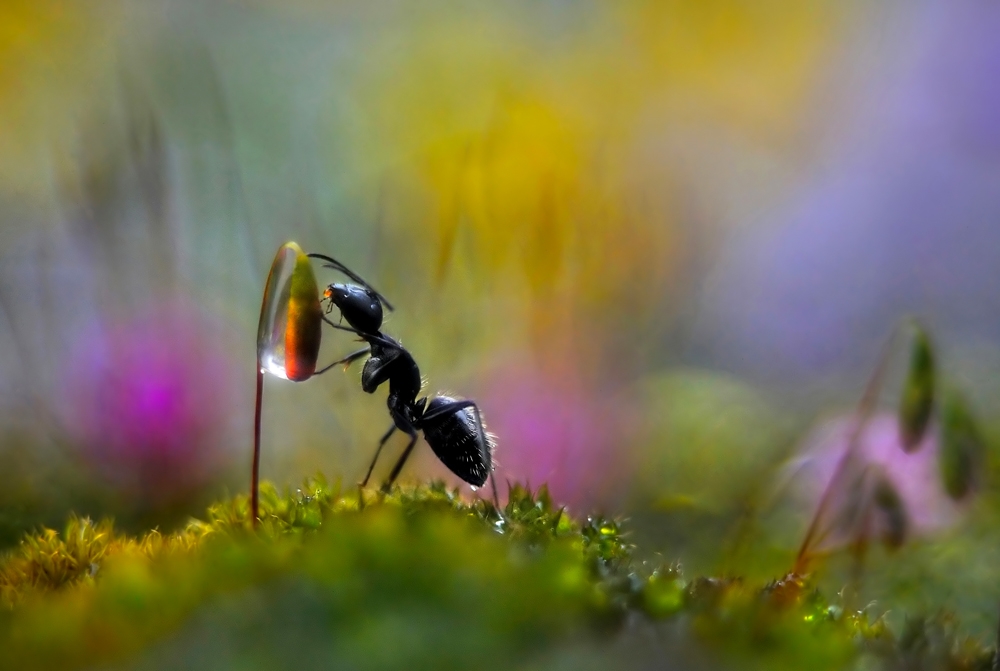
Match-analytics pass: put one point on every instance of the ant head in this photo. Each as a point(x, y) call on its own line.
point(360, 306)
point(336, 293)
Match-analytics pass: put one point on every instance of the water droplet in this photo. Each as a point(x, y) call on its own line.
point(288, 333)
point(273, 365)
point(473, 488)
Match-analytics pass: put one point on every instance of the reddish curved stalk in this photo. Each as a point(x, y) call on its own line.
point(864, 412)
point(254, 478)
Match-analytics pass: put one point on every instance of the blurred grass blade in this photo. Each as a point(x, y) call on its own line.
point(961, 455)
point(918, 393)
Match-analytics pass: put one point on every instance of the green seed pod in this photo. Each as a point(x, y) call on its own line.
point(892, 512)
point(961, 451)
point(917, 402)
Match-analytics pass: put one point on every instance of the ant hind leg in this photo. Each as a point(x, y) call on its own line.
point(496, 497)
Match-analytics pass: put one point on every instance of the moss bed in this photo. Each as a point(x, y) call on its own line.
point(420, 578)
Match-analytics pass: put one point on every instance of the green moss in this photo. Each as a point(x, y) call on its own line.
point(419, 578)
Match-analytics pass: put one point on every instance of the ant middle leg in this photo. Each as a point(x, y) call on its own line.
point(402, 460)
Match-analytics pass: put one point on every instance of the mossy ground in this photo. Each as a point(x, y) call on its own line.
point(419, 579)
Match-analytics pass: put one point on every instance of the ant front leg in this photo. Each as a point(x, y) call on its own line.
point(371, 467)
point(381, 444)
point(346, 361)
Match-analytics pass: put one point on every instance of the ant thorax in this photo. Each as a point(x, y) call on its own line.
point(389, 362)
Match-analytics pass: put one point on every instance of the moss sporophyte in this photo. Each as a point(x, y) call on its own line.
point(330, 574)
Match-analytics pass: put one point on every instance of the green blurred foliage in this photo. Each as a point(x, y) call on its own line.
point(419, 579)
point(713, 447)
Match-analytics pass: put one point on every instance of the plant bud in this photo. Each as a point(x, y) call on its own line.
point(889, 506)
point(961, 453)
point(917, 402)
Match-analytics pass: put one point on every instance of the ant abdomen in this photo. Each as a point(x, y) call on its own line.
point(459, 440)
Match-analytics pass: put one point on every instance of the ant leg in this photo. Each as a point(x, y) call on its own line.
point(370, 337)
point(496, 497)
point(489, 448)
point(347, 360)
point(341, 327)
point(381, 444)
point(449, 408)
point(399, 464)
point(378, 372)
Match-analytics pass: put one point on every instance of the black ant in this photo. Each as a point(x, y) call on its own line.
point(456, 435)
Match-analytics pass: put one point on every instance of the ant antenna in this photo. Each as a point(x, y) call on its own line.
point(337, 265)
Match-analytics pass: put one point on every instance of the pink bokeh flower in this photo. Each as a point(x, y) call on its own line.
point(558, 431)
point(147, 401)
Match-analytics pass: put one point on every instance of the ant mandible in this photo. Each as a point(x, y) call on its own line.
point(453, 428)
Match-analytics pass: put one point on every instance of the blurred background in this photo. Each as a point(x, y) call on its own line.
point(658, 242)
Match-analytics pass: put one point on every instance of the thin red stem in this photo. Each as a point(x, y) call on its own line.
point(255, 476)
